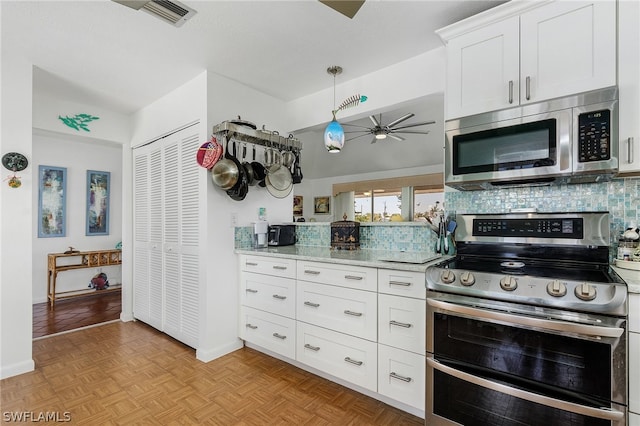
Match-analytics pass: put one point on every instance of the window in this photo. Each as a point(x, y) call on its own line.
point(423, 200)
point(378, 205)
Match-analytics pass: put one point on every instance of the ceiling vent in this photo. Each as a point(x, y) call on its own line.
point(172, 12)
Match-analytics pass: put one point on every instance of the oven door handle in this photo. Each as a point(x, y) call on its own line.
point(563, 326)
point(599, 413)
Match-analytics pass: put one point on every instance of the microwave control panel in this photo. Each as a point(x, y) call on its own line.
point(594, 136)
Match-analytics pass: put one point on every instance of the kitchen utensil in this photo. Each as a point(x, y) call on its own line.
point(445, 239)
point(239, 191)
point(297, 171)
point(248, 167)
point(276, 192)
point(225, 172)
point(438, 240)
point(240, 122)
point(279, 177)
point(208, 153)
point(288, 158)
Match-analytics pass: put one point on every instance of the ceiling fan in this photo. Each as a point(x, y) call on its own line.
point(380, 131)
point(347, 7)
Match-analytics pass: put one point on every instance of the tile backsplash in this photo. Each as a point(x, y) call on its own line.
point(619, 197)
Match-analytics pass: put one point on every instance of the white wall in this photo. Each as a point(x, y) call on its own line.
point(15, 220)
point(77, 154)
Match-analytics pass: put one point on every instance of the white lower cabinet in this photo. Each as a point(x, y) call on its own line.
point(341, 309)
point(272, 294)
point(402, 323)
point(272, 332)
point(634, 359)
point(401, 375)
point(347, 357)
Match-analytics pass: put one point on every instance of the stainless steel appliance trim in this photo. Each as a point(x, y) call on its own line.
point(537, 323)
point(528, 396)
point(630, 150)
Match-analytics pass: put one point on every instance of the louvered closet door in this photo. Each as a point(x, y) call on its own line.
point(181, 237)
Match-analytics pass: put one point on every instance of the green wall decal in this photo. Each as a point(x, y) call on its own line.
point(79, 121)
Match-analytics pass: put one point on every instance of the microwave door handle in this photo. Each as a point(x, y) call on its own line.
point(539, 323)
point(526, 395)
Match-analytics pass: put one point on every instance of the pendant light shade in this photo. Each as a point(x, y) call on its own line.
point(334, 136)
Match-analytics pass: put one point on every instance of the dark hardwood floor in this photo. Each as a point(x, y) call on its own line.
point(70, 314)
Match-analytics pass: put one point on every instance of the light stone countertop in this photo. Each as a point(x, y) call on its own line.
point(631, 277)
point(361, 257)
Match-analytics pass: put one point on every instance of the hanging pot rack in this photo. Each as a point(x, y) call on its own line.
point(260, 137)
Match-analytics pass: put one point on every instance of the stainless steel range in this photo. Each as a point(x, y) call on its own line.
point(526, 325)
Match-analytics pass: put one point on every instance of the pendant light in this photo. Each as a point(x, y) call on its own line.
point(334, 133)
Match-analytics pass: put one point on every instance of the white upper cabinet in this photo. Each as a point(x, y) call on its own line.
point(526, 52)
point(629, 85)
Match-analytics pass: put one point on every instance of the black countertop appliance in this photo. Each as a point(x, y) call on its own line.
point(282, 235)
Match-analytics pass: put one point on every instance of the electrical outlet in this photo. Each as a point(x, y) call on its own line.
point(234, 219)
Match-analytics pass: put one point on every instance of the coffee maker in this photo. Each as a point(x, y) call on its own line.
point(260, 234)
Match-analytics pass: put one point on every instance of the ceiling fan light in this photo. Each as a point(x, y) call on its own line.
point(381, 135)
point(334, 137)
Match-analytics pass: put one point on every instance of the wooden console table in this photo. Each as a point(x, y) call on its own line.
point(80, 260)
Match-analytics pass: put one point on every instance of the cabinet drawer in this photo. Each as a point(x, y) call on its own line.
point(634, 373)
point(272, 332)
point(634, 312)
point(276, 266)
point(272, 294)
point(402, 283)
point(402, 322)
point(342, 309)
point(346, 357)
point(401, 376)
point(357, 277)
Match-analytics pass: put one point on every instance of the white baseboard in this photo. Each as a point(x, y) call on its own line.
point(17, 368)
point(209, 354)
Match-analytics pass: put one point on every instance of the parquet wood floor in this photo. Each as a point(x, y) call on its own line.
point(131, 374)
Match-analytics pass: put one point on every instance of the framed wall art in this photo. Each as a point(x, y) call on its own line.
point(98, 187)
point(297, 205)
point(322, 205)
point(52, 188)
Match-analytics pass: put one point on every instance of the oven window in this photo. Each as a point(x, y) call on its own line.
point(574, 365)
point(522, 146)
point(470, 404)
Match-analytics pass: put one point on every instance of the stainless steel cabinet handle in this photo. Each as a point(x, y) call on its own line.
point(355, 314)
point(353, 361)
point(399, 377)
point(630, 150)
point(526, 395)
point(250, 290)
point(313, 305)
point(252, 264)
point(313, 348)
point(528, 87)
point(277, 296)
point(282, 268)
point(401, 283)
point(510, 91)
point(253, 327)
point(310, 272)
point(400, 324)
point(279, 336)
point(352, 277)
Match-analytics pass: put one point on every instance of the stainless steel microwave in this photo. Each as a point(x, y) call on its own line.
point(565, 140)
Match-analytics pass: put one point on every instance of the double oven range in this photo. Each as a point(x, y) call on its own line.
point(527, 324)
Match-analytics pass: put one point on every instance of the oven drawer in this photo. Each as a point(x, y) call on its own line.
point(354, 312)
point(356, 277)
point(272, 294)
point(346, 357)
point(401, 322)
point(401, 375)
point(272, 332)
point(275, 266)
point(402, 283)
point(489, 402)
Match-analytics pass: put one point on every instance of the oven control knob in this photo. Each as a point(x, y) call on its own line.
point(508, 283)
point(448, 276)
point(556, 288)
point(585, 292)
point(467, 279)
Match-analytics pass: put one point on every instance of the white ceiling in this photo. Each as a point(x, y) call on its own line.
point(102, 53)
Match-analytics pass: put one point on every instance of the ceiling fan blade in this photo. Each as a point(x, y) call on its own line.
point(424, 123)
point(413, 132)
point(374, 140)
point(400, 120)
point(374, 120)
point(396, 137)
point(347, 7)
point(356, 137)
point(354, 125)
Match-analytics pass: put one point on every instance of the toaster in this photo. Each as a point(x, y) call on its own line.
point(282, 235)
